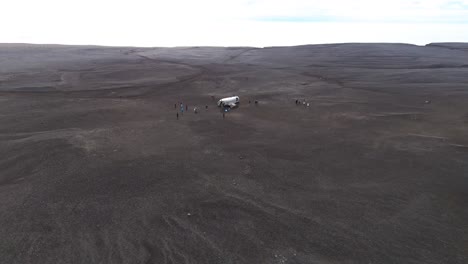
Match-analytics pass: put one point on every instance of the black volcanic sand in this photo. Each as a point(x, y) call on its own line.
point(95, 167)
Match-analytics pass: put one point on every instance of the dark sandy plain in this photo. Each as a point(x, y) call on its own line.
point(95, 168)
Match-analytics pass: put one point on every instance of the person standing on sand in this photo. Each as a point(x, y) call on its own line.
point(177, 114)
point(175, 106)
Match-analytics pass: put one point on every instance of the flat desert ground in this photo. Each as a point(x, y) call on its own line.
point(96, 168)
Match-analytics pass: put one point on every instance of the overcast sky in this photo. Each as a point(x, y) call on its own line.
point(232, 23)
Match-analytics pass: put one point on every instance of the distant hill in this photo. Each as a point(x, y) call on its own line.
point(450, 45)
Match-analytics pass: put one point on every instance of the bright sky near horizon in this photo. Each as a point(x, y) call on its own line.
point(232, 23)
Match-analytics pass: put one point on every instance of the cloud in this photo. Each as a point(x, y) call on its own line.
point(227, 22)
point(429, 11)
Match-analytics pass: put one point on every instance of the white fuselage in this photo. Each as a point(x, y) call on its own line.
point(229, 101)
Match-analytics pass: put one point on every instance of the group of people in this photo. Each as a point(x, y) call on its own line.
point(185, 108)
point(298, 102)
